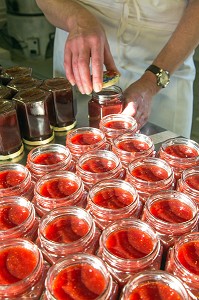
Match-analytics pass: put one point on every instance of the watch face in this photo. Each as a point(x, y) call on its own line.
point(163, 78)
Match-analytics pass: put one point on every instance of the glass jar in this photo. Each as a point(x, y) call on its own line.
point(189, 183)
point(10, 73)
point(15, 181)
point(17, 219)
point(115, 125)
point(56, 189)
point(49, 158)
point(11, 144)
point(80, 274)
point(32, 111)
point(67, 230)
point(62, 114)
point(171, 214)
point(150, 175)
point(111, 200)
point(109, 100)
point(22, 271)
point(180, 153)
point(85, 139)
point(23, 83)
point(154, 285)
point(183, 262)
point(129, 246)
point(5, 92)
point(97, 165)
point(129, 147)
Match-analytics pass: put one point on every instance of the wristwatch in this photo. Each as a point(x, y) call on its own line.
point(163, 76)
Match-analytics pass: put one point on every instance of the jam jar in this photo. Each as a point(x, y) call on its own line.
point(23, 83)
point(5, 92)
point(56, 189)
point(111, 200)
point(15, 180)
point(62, 114)
point(183, 262)
point(129, 147)
point(84, 139)
point(67, 230)
point(154, 285)
point(49, 158)
point(32, 111)
point(129, 246)
point(189, 183)
point(8, 74)
point(109, 100)
point(22, 271)
point(180, 153)
point(97, 165)
point(114, 125)
point(11, 144)
point(17, 219)
point(150, 175)
point(83, 275)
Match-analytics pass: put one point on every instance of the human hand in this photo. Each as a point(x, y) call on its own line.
point(86, 52)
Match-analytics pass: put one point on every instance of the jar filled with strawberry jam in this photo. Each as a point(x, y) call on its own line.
point(154, 285)
point(62, 114)
point(150, 175)
point(97, 165)
point(22, 271)
point(189, 183)
point(112, 199)
point(7, 74)
point(15, 180)
point(109, 100)
point(56, 189)
point(33, 115)
point(84, 139)
point(171, 214)
point(83, 276)
point(23, 83)
point(17, 219)
point(11, 144)
point(67, 230)
point(129, 246)
point(180, 153)
point(49, 158)
point(129, 147)
point(114, 125)
point(183, 262)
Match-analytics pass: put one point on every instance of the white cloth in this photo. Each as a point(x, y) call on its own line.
point(137, 30)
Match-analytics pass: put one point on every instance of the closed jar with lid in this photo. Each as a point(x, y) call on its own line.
point(7, 74)
point(109, 100)
point(22, 83)
point(112, 199)
point(5, 92)
point(67, 230)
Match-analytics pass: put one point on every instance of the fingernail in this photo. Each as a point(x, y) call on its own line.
point(88, 91)
point(97, 88)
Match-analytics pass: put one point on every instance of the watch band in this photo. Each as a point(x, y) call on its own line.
point(163, 76)
point(154, 69)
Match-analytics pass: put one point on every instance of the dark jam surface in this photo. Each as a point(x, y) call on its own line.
point(66, 229)
point(98, 165)
point(113, 198)
point(154, 291)
point(79, 282)
point(181, 151)
point(16, 263)
point(150, 173)
point(10, 178)
point(193, 182)
point(129, 243)
point(58, 188)
point(188, 255)
point(49, 158)
point(87, 138)
point(171, 211)
point(12, 216)
point(133, 146)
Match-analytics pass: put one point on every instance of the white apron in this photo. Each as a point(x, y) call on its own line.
point(142, 28)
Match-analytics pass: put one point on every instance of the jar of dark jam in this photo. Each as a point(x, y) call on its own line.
point(11, 143)
point(62, 114)
point(109, 100)
point(14, 72)
point(32, 110)
point(5, 92)
point(23, 83)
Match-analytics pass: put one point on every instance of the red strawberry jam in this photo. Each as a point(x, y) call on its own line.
point(49, 158)
point(10, 178)
point(86, 138)
point(12, 215)
point(181, 151)
point(193, 182)
point(58, 188)
point(118, 125)
point(79, 282)
point(98, 165)
point(188, 255)
point(66, 229)
point(150, 173)
point(133, 145)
